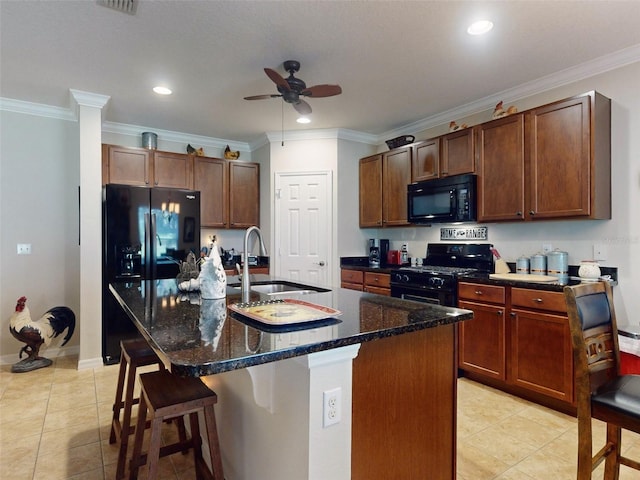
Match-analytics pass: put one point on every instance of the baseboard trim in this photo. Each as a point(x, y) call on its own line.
point(51, 353)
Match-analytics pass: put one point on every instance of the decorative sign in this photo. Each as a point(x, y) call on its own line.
point(463, 233)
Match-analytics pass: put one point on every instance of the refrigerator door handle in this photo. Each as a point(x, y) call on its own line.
point(152, 243)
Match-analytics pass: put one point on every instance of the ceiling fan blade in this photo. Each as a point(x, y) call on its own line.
point(262, 97)
point(302, 107)
point(323, 90)
point(277, 79)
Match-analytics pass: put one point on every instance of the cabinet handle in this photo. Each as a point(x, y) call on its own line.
point(499, 313)
point(478, 292)
point(512, 314)
point(537, 300)
point(518, 213)
point(531, 212)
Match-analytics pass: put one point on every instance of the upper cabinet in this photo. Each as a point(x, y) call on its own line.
point(211, 179)
point(570, 158)
point(383, 188)
point(501, 169)
point(547, 163)
point(126, 166)
point(229, 190)
point(149, 168)
point(371, 191)
point(244, 194)
point(173, 170)
point(425, 160)
point(457, 153)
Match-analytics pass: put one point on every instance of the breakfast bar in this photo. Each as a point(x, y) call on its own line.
point(390, 364)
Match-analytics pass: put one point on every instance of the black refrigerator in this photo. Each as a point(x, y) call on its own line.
point(147, 232)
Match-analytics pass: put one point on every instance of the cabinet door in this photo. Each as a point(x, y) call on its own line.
point(126, 166)
point(173, 170)
point(457, 153)
point(425, 160)
point(210, 178)
point(371, 191)
point(560, 175)
point(541, 355)
point(244, 194)
point(501, 169)
point(396, 175)
point(482, 340)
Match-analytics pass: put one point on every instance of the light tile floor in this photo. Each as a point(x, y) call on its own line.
point(55, 423)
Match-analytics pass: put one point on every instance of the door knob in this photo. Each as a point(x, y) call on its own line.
point(321, 263)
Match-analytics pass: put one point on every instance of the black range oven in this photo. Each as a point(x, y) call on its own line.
point(436, 281)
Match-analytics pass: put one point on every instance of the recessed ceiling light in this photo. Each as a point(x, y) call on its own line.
point(480, 27)
point(162, 90)
point(303, 120)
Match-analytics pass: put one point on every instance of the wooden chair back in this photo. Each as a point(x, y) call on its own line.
point(594, 335)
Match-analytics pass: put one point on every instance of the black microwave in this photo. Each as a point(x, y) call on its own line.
point(448, 199)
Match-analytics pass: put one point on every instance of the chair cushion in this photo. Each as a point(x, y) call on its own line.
point(621, 394)
point(593, 310)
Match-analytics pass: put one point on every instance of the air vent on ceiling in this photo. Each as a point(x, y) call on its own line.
point(126, 6)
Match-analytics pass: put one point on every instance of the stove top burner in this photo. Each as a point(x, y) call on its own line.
point(438, 269)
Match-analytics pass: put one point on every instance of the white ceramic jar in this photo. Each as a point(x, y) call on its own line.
point(589, 270)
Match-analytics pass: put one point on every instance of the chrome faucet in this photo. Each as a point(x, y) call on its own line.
point(246, 283)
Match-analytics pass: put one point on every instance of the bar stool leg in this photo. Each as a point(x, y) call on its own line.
point(118, 404)
point(153, 455)
point(139, 437)
point(214, 446)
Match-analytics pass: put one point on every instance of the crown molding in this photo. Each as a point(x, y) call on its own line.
point(37, 109)
point(569, 75)
point(322, 134)
point(137, 130)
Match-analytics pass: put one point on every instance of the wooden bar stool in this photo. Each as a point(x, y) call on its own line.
point(165, 396)
point(133, 354)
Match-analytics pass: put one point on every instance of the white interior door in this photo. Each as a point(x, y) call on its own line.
point(303, 228)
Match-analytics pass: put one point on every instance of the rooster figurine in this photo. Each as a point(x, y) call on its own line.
point(39, 332)
point(230, 154)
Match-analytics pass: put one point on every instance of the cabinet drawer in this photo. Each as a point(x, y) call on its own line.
point(351, 276)
point(538, 299)
point(378, 290)
point(479, 292)
point(377, 279)
point(352, 286)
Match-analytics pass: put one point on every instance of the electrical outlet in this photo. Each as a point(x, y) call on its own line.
point(24, 249)
point(547, 247)
point(599, 251)
point(331, 407)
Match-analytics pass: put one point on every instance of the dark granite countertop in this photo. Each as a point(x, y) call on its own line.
point(202, 337)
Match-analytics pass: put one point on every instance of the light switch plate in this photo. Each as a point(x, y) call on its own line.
point(24, 249)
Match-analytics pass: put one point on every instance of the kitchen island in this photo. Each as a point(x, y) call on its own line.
point(391, 363)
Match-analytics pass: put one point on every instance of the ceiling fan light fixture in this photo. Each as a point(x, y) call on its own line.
point(480, 27)
point(162, 90)
point(303, 119)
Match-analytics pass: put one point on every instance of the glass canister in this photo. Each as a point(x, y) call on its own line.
point(522, 265)
point(589, 270)
point(538, 264)
point(558, 264)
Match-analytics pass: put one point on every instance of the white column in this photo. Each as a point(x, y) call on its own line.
point(89, 110)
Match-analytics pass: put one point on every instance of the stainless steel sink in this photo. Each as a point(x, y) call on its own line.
point(284, 288)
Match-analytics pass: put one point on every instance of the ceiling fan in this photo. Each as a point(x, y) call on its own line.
point(292, 88)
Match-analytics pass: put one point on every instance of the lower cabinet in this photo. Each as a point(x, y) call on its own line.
point(352, 279)
point(519, 341)
point(363, 281)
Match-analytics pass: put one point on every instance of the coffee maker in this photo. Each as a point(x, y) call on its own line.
point(378, 250)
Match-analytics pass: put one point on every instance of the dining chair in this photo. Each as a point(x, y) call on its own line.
point(601, 391)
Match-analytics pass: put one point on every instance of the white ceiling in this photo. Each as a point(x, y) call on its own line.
point(398, 62)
